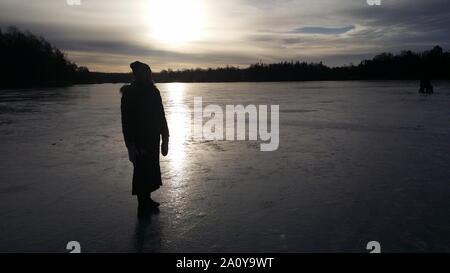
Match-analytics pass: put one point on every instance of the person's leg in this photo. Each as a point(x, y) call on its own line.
point(142, 198)
point(142, 205)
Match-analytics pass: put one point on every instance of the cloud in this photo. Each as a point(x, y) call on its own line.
point(402, 23)
point(106, 34)
point(323, 30)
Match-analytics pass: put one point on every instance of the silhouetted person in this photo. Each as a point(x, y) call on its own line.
point(426, 87)
point(143, 123)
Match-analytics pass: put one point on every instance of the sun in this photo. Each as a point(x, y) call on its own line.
point(176, 21)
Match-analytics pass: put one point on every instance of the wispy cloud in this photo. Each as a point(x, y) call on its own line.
point(323, 30)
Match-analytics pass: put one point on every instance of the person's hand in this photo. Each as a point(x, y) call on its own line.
point(165, 147)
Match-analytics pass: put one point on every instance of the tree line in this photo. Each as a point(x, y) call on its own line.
point(431, 64)
point(31, 61)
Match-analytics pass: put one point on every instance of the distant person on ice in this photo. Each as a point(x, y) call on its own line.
point(143, 124)
point(426, 87)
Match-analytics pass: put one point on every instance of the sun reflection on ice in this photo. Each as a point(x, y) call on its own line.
point(177, 125)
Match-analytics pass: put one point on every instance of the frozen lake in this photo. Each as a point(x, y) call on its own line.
point(357, 162)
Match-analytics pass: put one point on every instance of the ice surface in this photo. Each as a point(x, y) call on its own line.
point(358, 161)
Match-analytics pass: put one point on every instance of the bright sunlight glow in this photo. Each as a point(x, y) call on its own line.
point(177, 21)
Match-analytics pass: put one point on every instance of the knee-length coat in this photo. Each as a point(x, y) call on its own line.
point(143, 123)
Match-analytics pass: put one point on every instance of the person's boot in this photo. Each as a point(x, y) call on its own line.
point(152, 203)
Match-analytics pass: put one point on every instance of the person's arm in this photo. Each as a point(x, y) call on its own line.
point(126, 122)
point(127, 128)
point(164, 129)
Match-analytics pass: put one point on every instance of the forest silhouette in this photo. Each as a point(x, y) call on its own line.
point(31, 61)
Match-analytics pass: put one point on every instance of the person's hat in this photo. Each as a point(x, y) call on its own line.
point(140, 67)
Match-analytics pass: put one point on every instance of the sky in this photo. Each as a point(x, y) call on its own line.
point(107, 35)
